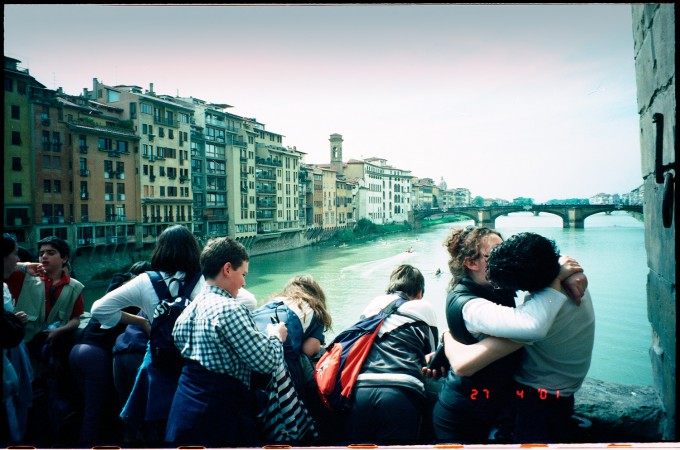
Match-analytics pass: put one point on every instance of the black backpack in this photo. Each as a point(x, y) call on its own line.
point(164, 355)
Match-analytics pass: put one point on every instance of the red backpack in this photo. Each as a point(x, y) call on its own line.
point(337, 370)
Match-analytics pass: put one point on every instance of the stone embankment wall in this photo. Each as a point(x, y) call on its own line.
point(613, 413)
point(654, 40)
point(90, 263)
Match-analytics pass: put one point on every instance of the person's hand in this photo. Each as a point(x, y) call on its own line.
point(279, 330)
point(576, 286)
point(427, 371)
point(35, 269)
point(568, 267)
point(22, 316)
point(283, 331)
point(52, 335)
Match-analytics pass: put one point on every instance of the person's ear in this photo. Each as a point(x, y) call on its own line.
point(226, 268)
point(471, 264)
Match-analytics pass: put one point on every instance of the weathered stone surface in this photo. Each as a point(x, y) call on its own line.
point(619, 413)
point(613, 412)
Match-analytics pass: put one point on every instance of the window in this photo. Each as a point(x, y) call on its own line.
point(122, 146)
point(21, 87)
point(16, 112)
point(16, 138)
point(16, 189)
point(105, 144)
point(145, 108)
point(16, 163)
point(56, 141)
point(9, 85)
point(112, 96)
point(133, 110)
point(57, 186)
point(108, 191)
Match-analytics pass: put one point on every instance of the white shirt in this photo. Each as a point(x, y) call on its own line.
point(137, 292)
point(527, 322)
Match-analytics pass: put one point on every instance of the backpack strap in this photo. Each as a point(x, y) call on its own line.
point(161, 287)
point(158, 284)
point(394, 304)
point(187, 287)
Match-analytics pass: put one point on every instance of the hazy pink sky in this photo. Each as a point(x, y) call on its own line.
point(506, 100)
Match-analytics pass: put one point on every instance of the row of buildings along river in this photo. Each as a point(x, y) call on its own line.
point(114, 166)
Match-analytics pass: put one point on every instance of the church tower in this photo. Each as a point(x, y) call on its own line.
point(336, 153)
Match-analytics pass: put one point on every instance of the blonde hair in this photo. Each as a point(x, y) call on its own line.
point(303, 288)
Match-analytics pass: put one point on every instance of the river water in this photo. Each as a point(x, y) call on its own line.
point(610, 249)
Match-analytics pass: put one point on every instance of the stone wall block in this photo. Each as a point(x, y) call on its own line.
point(664, 103)
point(661, 312)
point(659, 241)
point(663, 38)
point(644, 74)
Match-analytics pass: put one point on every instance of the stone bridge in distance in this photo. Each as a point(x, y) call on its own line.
point(573, 216)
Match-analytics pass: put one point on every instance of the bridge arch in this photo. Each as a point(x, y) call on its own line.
point(573, 216)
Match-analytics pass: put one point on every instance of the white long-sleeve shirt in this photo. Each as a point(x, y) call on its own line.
point(558, 336)
point(139, 292)
point(527, 322)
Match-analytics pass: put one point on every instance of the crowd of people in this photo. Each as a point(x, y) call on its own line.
point(519, 315)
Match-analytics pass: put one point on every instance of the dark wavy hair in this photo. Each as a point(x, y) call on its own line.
point(58, 243)
point(176, 250)
point(407, 279)
point(525, 261)
point(9, 243)
point(465, 243)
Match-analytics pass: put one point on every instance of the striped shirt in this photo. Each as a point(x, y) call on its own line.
point(219, 333)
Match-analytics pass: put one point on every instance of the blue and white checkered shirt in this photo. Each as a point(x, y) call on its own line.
point(219, 333)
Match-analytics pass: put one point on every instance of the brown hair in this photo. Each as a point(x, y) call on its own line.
point(464, 243)
point(303, 288)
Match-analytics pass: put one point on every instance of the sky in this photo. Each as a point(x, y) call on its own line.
point(507, 100)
